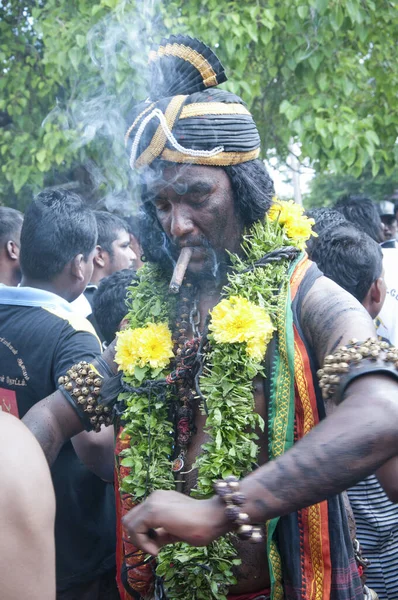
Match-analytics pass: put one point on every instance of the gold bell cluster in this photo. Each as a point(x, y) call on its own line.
point(83, 383)
point(348, 357)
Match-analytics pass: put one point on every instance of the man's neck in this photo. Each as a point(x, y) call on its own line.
point(8, 276)
point(48, 286)
point(97, 275)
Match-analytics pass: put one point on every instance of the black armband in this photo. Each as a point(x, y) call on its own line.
point(82, 387)
point(355, 360)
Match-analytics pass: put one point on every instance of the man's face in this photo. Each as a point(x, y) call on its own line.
point(389, 226)
point(122, 255)
point(195, 207)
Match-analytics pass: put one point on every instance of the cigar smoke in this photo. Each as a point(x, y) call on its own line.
point(180, 269)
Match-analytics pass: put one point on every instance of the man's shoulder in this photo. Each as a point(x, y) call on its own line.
point(76, 322)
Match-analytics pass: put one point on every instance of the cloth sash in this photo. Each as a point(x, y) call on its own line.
point(310, 552)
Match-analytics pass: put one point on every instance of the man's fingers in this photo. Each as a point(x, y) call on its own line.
point(145, 543)
point(162, 537)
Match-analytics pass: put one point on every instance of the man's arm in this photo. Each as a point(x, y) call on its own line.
point(27, 513)
point(359, 436)
point(96, 450)
point(331, 317)
point(53, 421)
point(388, 478)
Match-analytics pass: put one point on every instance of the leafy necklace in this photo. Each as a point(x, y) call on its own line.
point(158, 428)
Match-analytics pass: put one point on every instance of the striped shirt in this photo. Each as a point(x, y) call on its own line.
point(377, 531)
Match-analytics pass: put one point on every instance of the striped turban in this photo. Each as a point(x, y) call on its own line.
point(186, 118)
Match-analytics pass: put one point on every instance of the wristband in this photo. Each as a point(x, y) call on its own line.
point(228, 490)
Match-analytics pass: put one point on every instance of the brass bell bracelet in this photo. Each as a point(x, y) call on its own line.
point(82, 387)
point(228, 490)
point(355, 360)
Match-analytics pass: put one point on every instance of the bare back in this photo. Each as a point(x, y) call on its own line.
point(27, 513)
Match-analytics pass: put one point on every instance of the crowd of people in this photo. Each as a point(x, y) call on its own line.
point(271, 375)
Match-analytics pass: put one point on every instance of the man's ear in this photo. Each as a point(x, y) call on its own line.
point(124, 323)
point(376, 290)
point(374, 299)
point(77, 268)
point(12, 250)
point(99, 257)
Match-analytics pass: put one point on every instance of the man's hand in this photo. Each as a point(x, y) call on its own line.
point(170, 517)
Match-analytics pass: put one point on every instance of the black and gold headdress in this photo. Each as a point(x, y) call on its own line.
point(185, 119)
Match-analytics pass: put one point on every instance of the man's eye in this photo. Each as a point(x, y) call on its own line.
point(162, 206)
point(198, 200)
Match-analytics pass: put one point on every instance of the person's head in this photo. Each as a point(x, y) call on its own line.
point(196, 147)
point(58, 241)
point(325, 219)
point(396, 210)
point(109, 302)
point(204, 207)
point(352, 259)
point(389, 220)
point(10, 242)
point(114, 251)
point(133, 224)
point(363, 213)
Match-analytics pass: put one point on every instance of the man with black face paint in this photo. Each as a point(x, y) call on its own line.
point(220, 384)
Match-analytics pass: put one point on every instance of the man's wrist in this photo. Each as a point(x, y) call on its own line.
point(219, 517)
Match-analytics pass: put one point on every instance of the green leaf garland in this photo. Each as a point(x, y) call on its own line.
point(208, 572)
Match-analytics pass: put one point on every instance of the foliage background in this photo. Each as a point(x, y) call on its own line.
point(321, 72)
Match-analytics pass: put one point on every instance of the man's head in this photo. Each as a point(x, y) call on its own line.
point(204, 207)
point(58, 240)
point(389, 220)
point(109, 302)
point(196, 147)
point(352, 259)
point(114, 251)
point(325, 219)
point(133, 224)
point(363, 213)
point(10, 242)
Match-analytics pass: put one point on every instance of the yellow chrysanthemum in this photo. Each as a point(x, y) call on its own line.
point(237, 320)
point(146, 346)
point(290, 215)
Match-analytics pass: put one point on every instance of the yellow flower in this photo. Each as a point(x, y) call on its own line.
point(145, 346)
point(237, 320)
point(297, 226)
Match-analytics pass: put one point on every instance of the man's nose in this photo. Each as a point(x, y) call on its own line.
point(181, 222)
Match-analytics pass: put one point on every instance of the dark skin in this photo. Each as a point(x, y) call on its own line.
point(359, 435)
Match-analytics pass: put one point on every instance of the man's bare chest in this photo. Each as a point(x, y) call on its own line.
point(252, 574)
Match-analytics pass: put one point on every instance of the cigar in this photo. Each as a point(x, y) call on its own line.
point(180, 269)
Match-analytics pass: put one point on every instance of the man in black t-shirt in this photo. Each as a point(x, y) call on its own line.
point(40, 338)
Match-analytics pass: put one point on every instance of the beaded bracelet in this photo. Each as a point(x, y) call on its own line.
point(83, 383)
point(353, 361)
point(228, 490)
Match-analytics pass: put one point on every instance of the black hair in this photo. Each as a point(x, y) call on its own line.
point(108, 228)
point(56, 228)
point(252, 188)
point(133, 225)
point(325, 218)
point(362, 212)
point(10, 223)
point(109, 302)
point(349, 257)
